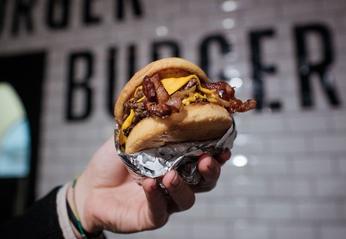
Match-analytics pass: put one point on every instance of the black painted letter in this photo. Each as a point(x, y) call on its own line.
point(22, 16)
point(204, 50)
point(3, 16)
point(120, 8)
point(89, 17)
point(258, 68)
point(57, 13)
point(79, 85)
point(322, 69)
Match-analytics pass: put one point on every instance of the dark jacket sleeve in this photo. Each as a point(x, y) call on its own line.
point(39, 221)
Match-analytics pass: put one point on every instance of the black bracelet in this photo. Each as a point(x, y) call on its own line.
point(78, 225)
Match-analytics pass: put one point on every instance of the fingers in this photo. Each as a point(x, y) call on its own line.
point(210, 171)
point(157, 205)
point(181, 194)
point(224, 156)
point(179, 191)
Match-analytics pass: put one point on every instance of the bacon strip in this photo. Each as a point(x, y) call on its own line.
point(246, 106)
point(191, 83)
point(161, 110)
point(174, 102)
point(158, 101)
point(161, 93)
point(225, 91)
point(149, 89)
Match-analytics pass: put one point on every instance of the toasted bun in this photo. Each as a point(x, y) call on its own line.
point(167, 67)
point(195, 122)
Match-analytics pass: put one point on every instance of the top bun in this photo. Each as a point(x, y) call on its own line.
point(167, 67)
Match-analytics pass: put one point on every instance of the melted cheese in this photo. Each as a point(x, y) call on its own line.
point(128, 120)
point(141, 99)
point(174, 84)
point(205, 90)
point(127, 123)
point(192, 98)
point(212, 99)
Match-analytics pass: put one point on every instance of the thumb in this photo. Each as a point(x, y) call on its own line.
point(157, 214)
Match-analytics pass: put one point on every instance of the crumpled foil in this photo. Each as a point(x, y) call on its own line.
point(183, 157)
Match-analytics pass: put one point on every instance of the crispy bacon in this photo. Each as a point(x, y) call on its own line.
point(225, 91)
point(158, 102)
point(161, 110)
point(237, 105)
point(191, 83)
point(149, 89)
point(174, 102)
point(161, 93)
point(247, 105)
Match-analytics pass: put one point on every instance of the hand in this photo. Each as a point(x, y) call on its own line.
point(107, 197)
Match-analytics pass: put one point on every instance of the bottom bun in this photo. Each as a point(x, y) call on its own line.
point(196, 122)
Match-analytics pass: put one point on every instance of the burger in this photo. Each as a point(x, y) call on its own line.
point(171, 101)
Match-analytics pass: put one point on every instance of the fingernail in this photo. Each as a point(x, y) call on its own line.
point(175, 179)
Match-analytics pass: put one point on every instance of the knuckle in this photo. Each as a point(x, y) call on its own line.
point(178, 186)
point(214, 172)
point(160, 223)
point(190, 202)
point(217, 172)
point(207, 187)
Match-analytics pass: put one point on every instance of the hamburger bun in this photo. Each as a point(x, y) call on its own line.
point(194, 122)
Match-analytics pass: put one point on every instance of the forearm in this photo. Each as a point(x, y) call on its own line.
point(40, 221)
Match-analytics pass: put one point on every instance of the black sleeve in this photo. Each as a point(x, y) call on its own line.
point(39, 221)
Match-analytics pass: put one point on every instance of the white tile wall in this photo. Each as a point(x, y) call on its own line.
point(333, 231)
point(294, 185)
point(295, 231)
point(319, 211)
point(288, 187)
point(238, 208)
point(274, 210)
point(331, 187)
point(250, 230)
point(209, 229)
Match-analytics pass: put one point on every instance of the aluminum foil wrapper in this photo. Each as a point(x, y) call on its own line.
point(183, 157)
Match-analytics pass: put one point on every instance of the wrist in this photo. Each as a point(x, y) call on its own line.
point(78, 200)
point(70, 203)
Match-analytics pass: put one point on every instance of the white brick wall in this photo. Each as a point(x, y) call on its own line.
point(294, 185)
